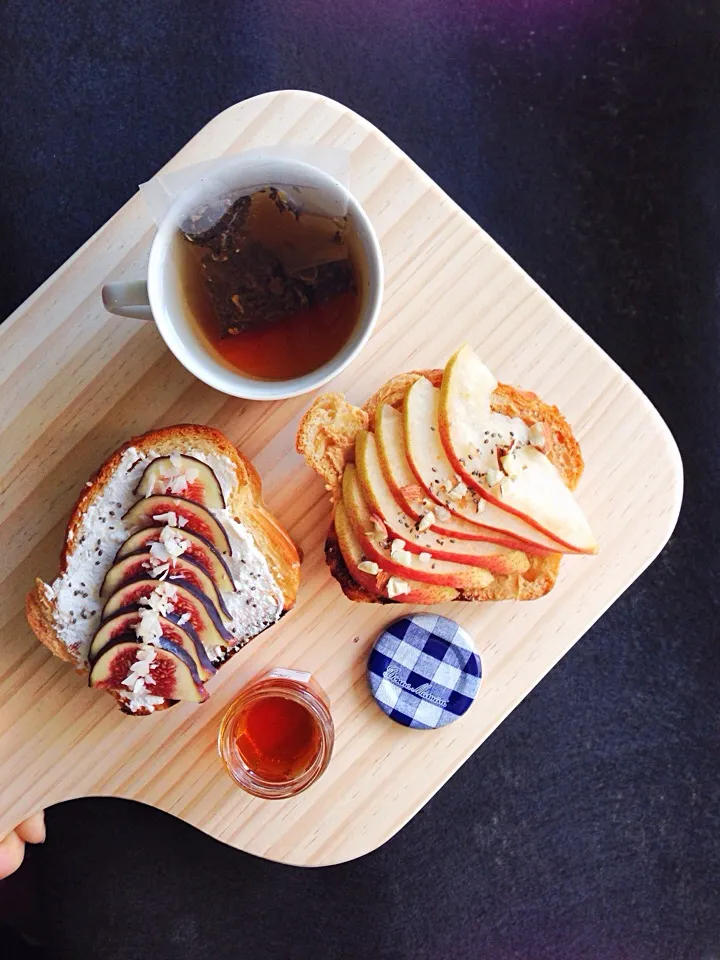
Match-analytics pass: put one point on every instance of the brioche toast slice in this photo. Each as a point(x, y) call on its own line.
point(244, 503)
point(326, 439)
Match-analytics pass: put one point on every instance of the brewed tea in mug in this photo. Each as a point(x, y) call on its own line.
point(272, 286)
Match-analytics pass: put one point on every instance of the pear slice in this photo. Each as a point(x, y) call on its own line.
point(432, 468)
point(402, 563)
point(400, 525)
point(376, 584)
point(414, 498)
point(508, 471)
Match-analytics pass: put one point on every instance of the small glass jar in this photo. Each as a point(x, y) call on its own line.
point(277, 736)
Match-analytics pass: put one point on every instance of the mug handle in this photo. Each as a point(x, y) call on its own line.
point(127, 299)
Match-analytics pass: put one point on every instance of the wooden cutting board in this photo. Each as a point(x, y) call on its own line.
point(77, 382)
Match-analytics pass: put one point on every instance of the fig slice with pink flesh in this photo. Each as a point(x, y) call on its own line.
point(183, 635)
point(198, 549)
point(203, 615)
point(182, 476)
point(173, 671)
point(197, 519)
point(182, 569)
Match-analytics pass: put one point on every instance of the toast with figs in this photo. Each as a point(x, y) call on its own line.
point(171, 563)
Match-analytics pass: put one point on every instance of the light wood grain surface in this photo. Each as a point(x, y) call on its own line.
point(76, 382)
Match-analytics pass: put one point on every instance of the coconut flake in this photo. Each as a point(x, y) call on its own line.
point(149, 629)
point(145, 653)
point(170, 518)
point(178, 484)
point(174, 544)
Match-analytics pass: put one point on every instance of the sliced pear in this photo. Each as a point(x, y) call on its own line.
point(430, 464)
point(376, 584)
point(183, 476)
point(525, 484)
point(198, 549)
point(400, 525)
point(180, 569)
point(414, 498)
point(172, 671)
point(403, 563)
point(197, 519)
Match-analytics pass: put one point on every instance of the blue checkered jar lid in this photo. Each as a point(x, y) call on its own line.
point(423, 671)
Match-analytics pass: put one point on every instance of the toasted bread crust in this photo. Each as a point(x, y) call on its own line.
point(326, 439)
point(246, 505)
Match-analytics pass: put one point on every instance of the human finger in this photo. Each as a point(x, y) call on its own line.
point(32, 830)
point(12, 851)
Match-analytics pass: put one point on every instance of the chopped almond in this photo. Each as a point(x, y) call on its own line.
point(397, 546)
point(458, 492)
point(396, 586)
point(380, 528)
point(413, 492)
point(426, 521)
point(381, 580)
point(510, 465)
point(539, 436)
point(494, 477)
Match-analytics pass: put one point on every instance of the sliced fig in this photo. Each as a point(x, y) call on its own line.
point(182, 476)
point(184, 636)
point(181, 568)
point(203, 615)
point(173, 670)
point(198, 520)
point(199, 550)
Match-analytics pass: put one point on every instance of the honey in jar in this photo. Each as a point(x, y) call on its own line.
point(277, 737)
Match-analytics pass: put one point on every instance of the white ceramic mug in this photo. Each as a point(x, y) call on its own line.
point(161, 298)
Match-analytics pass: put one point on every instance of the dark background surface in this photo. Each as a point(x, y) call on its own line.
point(584, 137)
